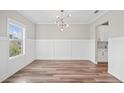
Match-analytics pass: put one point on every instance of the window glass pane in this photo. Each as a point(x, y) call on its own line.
point(15, 48)
point(16, 39)
point(15, 32)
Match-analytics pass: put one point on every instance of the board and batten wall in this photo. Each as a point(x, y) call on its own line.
point(115, 42)
point(10, 66)
point(77, 42)
point(73, 43)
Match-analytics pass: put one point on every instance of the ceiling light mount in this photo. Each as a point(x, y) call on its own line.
point(96, 11)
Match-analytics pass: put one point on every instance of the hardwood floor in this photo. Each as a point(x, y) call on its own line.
point(56, 71)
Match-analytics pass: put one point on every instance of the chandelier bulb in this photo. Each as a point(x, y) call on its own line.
point(57, 17)
point(67, 25)
point(62, 29)
point(69, 15)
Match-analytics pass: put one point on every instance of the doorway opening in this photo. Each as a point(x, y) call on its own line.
point(101, 51)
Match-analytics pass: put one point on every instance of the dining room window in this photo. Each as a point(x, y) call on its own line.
point(16, 38)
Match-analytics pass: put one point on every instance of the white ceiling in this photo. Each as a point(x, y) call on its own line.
point(49, 16)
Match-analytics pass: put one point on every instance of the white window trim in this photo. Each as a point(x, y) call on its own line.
point(24, 30)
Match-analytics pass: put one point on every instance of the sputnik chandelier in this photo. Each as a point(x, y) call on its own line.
point(61, 20)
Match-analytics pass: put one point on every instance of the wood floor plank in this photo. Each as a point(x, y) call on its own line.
point(63, 71)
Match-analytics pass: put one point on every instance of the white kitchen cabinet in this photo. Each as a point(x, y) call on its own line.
point(102, 55)
point(102, 33)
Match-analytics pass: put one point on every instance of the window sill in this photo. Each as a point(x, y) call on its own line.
point(15, 57)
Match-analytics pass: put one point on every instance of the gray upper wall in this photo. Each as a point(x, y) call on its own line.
point(116, 24)
point(4, 14)
point(74, 32)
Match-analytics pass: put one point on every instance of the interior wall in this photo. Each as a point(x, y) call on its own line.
point(77, 42)
point(73, 32)
point(73, 43)
point(115, 42)
point(10, 66)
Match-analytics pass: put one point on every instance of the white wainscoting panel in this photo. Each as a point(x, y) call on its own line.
point(116, 57)
point(44, 49)
point(30, 50)
point(92, 51)
point(62, 49)
point(80, 49)
point(3, 57)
